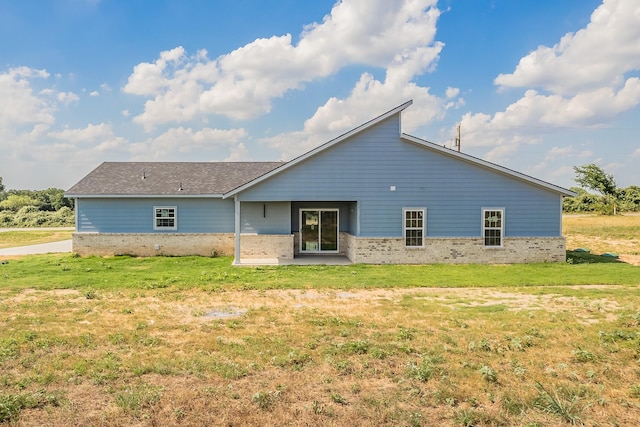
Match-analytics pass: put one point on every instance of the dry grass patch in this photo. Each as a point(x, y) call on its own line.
point(191, 342)
point(419, 356)
point(600, 234)
point(32, 237)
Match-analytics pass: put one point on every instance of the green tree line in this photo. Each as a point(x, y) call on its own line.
point(35, 208)
point(608, 200)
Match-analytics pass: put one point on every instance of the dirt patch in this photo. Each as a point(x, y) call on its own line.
point(199, 308)
point(225, 313)
point(630, 259)
point(33, 294)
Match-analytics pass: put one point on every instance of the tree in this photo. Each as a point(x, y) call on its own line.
point(1, 185)
point(14, 202)
point(629, 198)
point(594, 178)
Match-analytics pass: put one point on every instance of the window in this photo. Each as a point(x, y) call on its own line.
point(165, 218)
point(493, 227)
point(414, 226)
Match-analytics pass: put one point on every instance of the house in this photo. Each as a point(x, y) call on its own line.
point(373, 195)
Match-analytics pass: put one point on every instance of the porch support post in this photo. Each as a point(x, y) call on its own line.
point(237, 229)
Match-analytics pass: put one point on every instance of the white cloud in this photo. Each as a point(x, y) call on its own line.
point(18, 103)
point(94, 93)
point(149, 79)
point(594, 57)
point(180, 141)
point(368, 98)
point(553, 155)
point(186, 139)
point(397, 36)
point(535, 113)
point(562, 172)
point(452, 92)
point(557, 152)
point(67, 97)
point(87, 134)
point(238, 153)
point(584, 79)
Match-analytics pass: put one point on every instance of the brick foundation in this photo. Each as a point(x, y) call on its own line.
point(150, 244)
point(266, 246)
point(362, 250)
point(455, 251)
point(180, 244)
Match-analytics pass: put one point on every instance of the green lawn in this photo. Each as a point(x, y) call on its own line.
point(194, 341)
point(123, 272)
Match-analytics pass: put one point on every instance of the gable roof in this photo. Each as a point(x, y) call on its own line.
point(226, 179)
point(321, 148)
point(421, 142)
point(131, 179)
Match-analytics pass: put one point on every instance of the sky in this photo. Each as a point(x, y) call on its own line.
point(538, 86)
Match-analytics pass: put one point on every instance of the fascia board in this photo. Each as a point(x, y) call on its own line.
point(143, 196)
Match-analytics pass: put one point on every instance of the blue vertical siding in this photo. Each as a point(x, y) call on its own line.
point(128, 215)
point(362, 169)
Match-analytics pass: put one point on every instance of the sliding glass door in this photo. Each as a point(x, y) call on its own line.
point(318, 230)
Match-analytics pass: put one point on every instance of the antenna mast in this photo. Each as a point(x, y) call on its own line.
point(457, 141)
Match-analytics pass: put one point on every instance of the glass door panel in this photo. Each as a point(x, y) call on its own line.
point(309, 231)
point(328, 230)
point(318, 230)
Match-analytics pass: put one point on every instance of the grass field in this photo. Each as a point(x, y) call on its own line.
point(32, 237)
point(600, 234)
point(192, 341)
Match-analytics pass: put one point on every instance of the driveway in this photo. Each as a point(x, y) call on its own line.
point(43, 248)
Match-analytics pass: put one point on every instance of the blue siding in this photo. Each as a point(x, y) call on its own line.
point(265, 218)
point(363, 168)
point(136, 215)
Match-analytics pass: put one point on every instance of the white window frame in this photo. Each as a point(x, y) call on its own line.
point(500, 228)
point(422, 229)
point(162, 227)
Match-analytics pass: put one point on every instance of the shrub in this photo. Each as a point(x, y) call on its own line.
point(488, 374)
point(31, 216)
point(16, 202)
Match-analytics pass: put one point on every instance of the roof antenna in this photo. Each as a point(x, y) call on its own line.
point(144, 174)
point(457, 141)
point(180, 188)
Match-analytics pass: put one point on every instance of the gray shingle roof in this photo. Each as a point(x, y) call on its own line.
point(168, 178)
